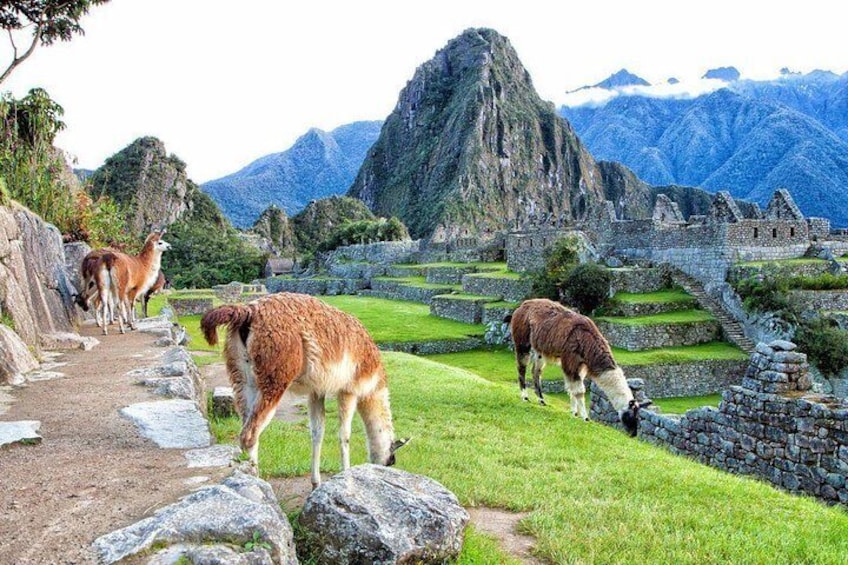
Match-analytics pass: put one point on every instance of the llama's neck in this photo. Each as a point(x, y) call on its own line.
point(377, 416)
point(614, 385)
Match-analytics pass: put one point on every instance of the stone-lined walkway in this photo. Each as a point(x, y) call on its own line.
point(92, 472)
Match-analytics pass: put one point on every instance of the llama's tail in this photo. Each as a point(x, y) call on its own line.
point(237, 317)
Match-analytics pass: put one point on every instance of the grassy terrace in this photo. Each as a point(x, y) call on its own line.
point(679, 317)
point(593, 494)
point(498, 365)
point(396, 321)
point(659, 297)
point(419, 282)
point(785, 262)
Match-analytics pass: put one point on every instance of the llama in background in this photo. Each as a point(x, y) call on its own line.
point(545, 331)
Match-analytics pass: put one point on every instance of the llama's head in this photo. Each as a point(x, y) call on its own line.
point(155, 241)
point(397, 444)
point(630, 416)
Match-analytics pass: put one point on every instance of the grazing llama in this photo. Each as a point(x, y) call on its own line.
point(545, 331)
point(296, 342)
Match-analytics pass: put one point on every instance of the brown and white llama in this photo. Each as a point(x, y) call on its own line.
point(120, 278)
point(544, 331)
point(294, 342)
point(94, 273)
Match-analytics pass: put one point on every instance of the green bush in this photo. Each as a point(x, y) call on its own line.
point(587, 287)
point(825, 344)
point(32, 173)
point(559, 260)
point(365, 231)
point(765, 294)
point(202, 256)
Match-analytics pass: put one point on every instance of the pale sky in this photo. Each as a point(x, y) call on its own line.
point(223, 83)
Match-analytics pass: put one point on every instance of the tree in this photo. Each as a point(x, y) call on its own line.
point(50, 20)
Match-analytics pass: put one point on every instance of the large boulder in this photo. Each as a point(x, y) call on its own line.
point(36, 292)
point(241, 512)
point(15, 357)
point(375, 514)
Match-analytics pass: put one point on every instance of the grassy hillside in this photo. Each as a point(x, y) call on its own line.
point(594, 495)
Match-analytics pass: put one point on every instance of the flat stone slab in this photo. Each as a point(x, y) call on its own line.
point(171, 424)
point(25, 431)
point(214, 456)
point(172, 387)
point(36, 376)
point(68, 340)
point(228, 515)
point(173, 369)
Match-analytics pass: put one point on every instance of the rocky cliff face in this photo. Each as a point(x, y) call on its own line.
point(276, 232)
point(149, 183)
point(35, 289)
point(471, 149)
point(315, 222)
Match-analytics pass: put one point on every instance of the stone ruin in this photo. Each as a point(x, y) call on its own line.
point(771, 427)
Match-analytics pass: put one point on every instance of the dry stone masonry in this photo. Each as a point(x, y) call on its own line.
point(771, 426)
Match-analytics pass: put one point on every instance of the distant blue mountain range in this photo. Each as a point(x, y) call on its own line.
point(750, 138)
point(319, 164)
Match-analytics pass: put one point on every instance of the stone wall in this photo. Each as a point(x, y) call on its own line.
point(687, 379)
point(36, 291)
point(461, 309)
point(511, 290)
point(630, 309)
point(806, 269)
point(770, 427)
point(304, 286)
point(357, 270)
point(191, 306)
point(640, 280)
point(384, 252)
point(398, 290)
point(820, 300)
point(653, 336)
point(496, 312)
point(435, 347)
point(448, 275)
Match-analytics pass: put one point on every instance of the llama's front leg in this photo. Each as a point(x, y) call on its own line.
point(316, 427)
point(538, 365)
point(577, 395)
point(347, 408)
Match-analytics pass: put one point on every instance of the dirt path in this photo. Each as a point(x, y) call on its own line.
point(92, 473)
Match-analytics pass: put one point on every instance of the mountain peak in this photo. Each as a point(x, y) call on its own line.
point(727, 74)
point(621, 78)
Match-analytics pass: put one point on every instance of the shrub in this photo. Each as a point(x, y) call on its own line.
point(765, 293)
point(365, 231)
point(825, 343)
point(559, 260)
point(587, 287)
point(201, 257)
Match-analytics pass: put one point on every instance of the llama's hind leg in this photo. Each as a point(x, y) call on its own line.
point(347, 408)
point(521, 360)
point(538, 365)
point(316, 427)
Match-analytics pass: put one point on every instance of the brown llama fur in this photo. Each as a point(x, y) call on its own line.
point(296, 342)
point(544, 331)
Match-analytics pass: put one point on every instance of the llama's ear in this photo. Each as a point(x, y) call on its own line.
point(399, 443)
point(163, 231)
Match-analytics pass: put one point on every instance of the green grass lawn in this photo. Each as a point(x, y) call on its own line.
point(420, 282)
point(397, 321)
point(678, 317)
point(498, 366)
point(783, 262)
point(680, 405)
point(594, 495)
point(659, 297)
